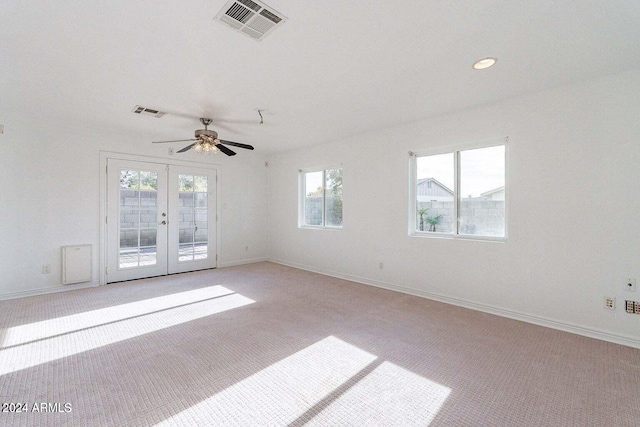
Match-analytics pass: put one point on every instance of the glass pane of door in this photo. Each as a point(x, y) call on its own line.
point(193, 217)
point(138, 211)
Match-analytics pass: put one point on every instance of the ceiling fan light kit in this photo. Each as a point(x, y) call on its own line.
point(202, 147)
point(206, 145)
point(206, 139)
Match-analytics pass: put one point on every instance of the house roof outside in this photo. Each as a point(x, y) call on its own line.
point(435, 181)
point(432, 190)
point(490, 192)
point(425, 196)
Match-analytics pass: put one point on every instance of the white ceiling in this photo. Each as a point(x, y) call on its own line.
point(334, 69)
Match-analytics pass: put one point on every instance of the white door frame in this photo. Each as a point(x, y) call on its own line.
point(104, 156)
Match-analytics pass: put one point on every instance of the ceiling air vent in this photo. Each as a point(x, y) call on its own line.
point(147, 111)
point(249, 17)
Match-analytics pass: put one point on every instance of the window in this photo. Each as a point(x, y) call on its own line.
point(460, 193)
point(321, 198)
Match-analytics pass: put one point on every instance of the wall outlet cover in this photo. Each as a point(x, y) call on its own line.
point(610, 303)
point(629, 306)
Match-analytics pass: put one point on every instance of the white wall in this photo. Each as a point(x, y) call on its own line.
point(574, 151)
point(50, 197)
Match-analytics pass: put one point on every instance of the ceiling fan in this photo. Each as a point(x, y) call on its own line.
point(206, 141)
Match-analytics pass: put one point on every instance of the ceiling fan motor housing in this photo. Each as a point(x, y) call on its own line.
point(206, 133)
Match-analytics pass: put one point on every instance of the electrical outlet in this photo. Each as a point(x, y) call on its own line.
point(636, 307)
point(630, 284)
point(46, 268)
point(629, 306)
point(610, 303)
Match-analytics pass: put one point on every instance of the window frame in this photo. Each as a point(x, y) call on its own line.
point(302, 192)
point(456, 150)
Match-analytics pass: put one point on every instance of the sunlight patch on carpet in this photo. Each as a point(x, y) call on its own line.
point(328, 383)
point(46, 350)
point(61, 325)
point(390, 396)
point(282, 392)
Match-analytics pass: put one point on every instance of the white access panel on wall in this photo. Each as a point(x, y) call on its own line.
point(76, 264)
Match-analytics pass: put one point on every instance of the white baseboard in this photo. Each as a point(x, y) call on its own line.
point(241, 262)
point(540, 321)
point(63, 288)
point(44, 291)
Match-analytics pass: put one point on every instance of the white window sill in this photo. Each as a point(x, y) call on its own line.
point(448, 236)
point(313, 227)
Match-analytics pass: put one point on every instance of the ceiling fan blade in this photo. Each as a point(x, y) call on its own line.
point(237, 144)
point(175, 140)
point(187, 148)
point(225, 150)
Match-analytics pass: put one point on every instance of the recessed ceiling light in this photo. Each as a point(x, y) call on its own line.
point(484, 63)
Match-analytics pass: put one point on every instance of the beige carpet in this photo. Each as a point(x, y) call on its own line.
point(264, 344)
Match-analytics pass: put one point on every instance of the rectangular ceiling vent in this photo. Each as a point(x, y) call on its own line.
point(147, 111)
point(250, 17)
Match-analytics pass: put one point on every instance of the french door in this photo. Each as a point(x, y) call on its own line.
point(161, 219)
